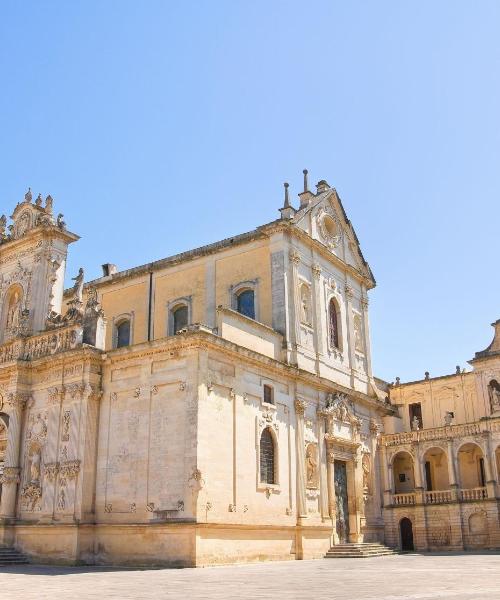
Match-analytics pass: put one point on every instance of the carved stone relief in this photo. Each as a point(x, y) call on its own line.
point(312, 465)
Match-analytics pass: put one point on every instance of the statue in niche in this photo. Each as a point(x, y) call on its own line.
point(358, 339)
point(312, 465)
point(305, 304)
point(14, 311)
point(35, 466)
point(365, 464)
point(494, 394)
point(78, 287)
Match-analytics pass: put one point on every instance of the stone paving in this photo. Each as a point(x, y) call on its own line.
point(407, 577)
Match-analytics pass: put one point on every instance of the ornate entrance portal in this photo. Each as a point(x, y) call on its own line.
point(342, 505)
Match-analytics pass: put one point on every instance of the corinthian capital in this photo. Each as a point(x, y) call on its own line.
point(18, 401)
point(300, 406)
point(295, 257)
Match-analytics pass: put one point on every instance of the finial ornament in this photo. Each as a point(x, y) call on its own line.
point(306, 182)
point(28, 196)
point(38, 200)
point(48, 204)
point(287, 200)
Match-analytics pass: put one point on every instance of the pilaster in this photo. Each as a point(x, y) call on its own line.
point(300, 407)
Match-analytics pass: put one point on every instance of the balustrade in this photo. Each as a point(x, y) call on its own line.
point(478, 493)
point(438, 497)
point(403, 499)
point(439, 433)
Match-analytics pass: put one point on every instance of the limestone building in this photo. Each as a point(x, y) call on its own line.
point(219, 405)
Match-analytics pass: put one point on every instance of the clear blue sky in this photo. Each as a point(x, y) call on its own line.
point(161, 126)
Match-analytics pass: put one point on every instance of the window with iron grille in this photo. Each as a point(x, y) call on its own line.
point(267, 457)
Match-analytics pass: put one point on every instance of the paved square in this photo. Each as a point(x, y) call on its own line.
point(409, 577)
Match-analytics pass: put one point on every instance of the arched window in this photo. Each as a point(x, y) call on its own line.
point(180, 317)
point(333, 324)
point(246, 303)
point(123, 334)
point(267, 474)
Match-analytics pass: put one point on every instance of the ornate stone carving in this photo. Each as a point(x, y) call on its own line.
point(349, 294)
point(10, 475)
point(312, 466)
point(300, 406)
point(196, 481)
point(18, 401)
point(137, 392)
point(66, 423)
point(367, 470)
point(51, 470)
point(42, 345)
point(316, 269)
point(268, 419)
point(69, 469)
point(295, 257)
point(53, 395)
point(358, 334)
point(329, 227)
point(494, 395)
point(30, 496)
point(305, 304)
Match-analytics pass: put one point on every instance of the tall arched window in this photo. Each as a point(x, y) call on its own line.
point(267, 468)
point(246, 303)
point(123, 334)
point(180, 316)
point(333, 324)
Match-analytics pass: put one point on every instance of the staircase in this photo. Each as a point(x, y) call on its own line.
point(11, 556)
point(358, 551)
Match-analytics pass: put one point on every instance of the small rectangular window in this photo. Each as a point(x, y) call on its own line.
point(268, 394)
point(402, 477)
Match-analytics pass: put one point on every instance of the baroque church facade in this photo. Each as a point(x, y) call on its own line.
point(219, 405)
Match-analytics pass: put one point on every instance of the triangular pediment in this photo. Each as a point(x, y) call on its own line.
point(323, 218)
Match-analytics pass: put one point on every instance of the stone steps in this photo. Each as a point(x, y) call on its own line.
point(359, 551)
point(11, 556)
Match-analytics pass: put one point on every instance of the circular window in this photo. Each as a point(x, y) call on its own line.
point(330, 226)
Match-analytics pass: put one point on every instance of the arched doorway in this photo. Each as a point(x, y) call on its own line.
point(406, 533)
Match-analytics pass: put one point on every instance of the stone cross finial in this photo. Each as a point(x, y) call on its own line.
point(306, 183)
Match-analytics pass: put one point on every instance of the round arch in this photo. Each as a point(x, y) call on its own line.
point(402, 465)
point(470, 460)
point(436, 474)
